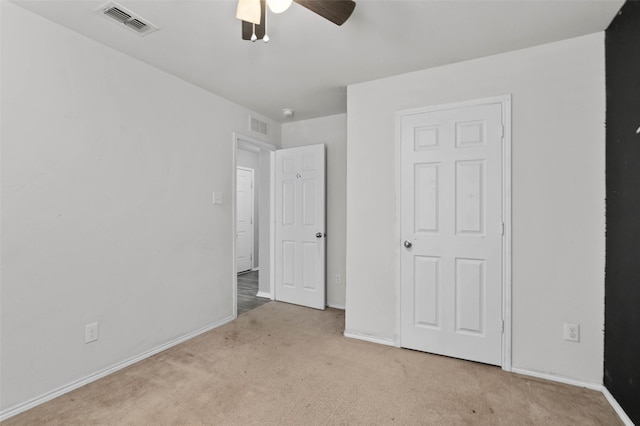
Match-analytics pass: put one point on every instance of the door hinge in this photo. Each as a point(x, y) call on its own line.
point(501, 131)
point(502, 228)
point(502, 327)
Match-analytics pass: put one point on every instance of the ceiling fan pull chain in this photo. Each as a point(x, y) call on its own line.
point(266, 37)
point(254, 37)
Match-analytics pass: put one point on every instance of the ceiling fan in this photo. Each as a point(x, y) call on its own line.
point(253, 13)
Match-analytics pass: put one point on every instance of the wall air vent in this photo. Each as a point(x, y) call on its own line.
point(258, 126)
point(120, 14)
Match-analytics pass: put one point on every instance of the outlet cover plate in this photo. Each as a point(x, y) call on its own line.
point(91, 332)
point(572, 332)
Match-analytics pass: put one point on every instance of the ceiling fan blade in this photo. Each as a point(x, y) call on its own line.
point(336, 11)
point(247, 27)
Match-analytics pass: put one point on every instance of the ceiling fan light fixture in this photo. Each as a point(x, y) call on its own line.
point(249, 11)
point(279, 6)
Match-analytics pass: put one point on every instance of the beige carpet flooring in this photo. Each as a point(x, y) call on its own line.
point(287, 365)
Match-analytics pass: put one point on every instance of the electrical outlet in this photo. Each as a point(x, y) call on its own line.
point(572, 332)
point(338, 279)
point(91, 332)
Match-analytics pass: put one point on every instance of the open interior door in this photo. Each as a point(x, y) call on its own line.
point(300, 226)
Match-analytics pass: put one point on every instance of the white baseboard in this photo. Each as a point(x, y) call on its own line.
point(367, 338)
point(264, 294)
point(336, 306)
point(623, 416)
point(10, 412)
point(560, 379)
point(595, 386)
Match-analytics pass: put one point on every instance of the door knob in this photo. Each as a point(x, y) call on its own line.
point(408, 244)
point(319, 235)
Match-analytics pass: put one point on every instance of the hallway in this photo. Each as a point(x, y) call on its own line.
point(247, 290)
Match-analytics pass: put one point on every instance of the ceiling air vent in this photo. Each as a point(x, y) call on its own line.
point(258, 126)
point(124, 16)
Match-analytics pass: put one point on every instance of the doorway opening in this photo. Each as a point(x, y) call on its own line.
point(292, 179)
point(253, 224)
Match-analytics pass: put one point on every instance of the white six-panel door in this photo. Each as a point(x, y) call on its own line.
point(244, 219)
point(451, 229)
point(300, 226)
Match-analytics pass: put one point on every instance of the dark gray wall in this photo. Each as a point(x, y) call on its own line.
point(622, 290)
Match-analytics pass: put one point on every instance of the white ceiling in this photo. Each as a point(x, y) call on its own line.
point(310, 61)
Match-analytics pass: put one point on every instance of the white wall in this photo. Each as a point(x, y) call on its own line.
point(558, 196)
point(266, 223)
point(331, 131)
point(251, 160)
point(108, 168)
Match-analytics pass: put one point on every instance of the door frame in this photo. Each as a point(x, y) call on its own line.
point(505, 102)
point(253, 202)
point(240, 139)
